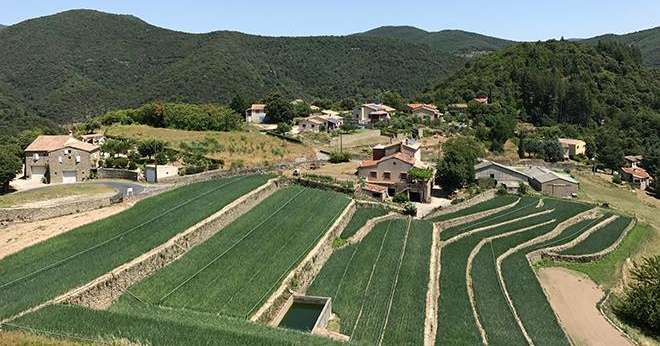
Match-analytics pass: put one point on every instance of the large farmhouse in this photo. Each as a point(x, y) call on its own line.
point(540, 178)
point(372, 113)
point(60, 159)
point(424, 111)
point(390, 168)
point(256, 114)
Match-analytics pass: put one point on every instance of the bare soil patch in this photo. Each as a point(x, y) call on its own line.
point(574, 299)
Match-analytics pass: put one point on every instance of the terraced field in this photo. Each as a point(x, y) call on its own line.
point(470, 252)
point(360, 218)
point(498, 201)
point(601, 239)
point(48, 269)
point(379, 285)
point(233, 272)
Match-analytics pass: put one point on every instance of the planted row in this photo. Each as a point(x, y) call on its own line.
point(601, 239)
point(234, 271)
point(496, 202)
point(360, 218)
point(53, 267)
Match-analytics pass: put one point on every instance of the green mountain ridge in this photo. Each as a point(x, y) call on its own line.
point(448, 41)
point(648, 42)
point(79, 63)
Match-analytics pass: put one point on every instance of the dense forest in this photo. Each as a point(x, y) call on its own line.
point(75, 64)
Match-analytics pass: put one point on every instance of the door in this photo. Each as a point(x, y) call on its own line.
point(68, 177)
point(38, 172)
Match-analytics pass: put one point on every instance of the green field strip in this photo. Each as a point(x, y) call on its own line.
point(156, 326)
point(525, 291)
point(239, 266)
point(526, 206)
point(601, 239)
point(50, 268)
point(407, 316)
point(496, 202)
point(456, 323)
point(360, 217)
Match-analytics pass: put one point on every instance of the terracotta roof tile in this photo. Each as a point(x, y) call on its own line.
point(636, 172)
point(52, 143)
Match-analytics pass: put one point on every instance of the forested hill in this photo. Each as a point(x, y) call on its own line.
point(79, 63)
point(648, 42)
point(448, 41)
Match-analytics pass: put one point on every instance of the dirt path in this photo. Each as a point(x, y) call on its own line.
point(574, 298)
point(18, 236)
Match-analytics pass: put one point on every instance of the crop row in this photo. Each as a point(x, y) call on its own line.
point(378, 286)
point(456, 324)
point(360, 218)
point(601, 239)
point(233, 272)
point(156, 326)
point(525, 207)
point(496, 202)
point(52, 267)
point(526, 292)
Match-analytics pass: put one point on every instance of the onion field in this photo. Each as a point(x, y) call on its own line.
point(496, 202)
point(360, 217)
point(601, 239)
point(379, 285)
point(466, 320)
point(235, 271)
point(55, 266)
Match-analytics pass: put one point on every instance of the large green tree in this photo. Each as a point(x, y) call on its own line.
point(278, 110)
point(457, 165)
point(10, 164)
point(640, 301)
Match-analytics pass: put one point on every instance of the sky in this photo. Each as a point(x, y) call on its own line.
point(522, 20)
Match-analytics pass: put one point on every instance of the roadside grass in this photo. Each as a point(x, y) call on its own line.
point(601, 239)
point(606, 271)
point(24, 339)
point(360, 218)
point(249, 148)
point(233, 272)
point(496, 202)
point(46, 193)
point(378, 285)
point(53, 267)
point(155, 326)
point(526, 206)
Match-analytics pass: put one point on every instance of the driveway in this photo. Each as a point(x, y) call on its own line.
point(123, 186)
point(424, 209)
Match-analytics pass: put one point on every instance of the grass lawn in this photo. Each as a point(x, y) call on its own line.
point(250, 148)
point(46, 193)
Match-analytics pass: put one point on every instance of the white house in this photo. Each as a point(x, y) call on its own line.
point(256, 113)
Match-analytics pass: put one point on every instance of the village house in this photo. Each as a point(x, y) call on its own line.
point(635, 175)
point(93, 138)
point(256, 114)
point(389, 171)
point(573, 147)
point(540, 178)
point(320, 122)
point(633, 160)
point(424, 111)
point(60, 159)
point(372, 113)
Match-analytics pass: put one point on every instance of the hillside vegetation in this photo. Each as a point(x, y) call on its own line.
point(448, 41)
point(79, 63)
point(648, 42)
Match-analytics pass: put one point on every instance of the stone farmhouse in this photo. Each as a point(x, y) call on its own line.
point(388, 171)
point(635, 175)
point(256, 113)
point(60, 159)
point(540, 178)
point(424, 111)
point(572, 147)
point(320, 122)
point(372, 113)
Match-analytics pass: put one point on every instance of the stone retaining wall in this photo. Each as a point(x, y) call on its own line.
point(101, 292)
point(306, 271)
point(117, 173)
point(482, 197)
point(43, 213)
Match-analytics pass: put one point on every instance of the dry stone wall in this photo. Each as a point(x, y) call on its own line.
point(43, 213)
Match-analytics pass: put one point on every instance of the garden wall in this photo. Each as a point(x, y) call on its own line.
point(43, 213)
point(101, 292)
point(301, 277)
point(117, 173)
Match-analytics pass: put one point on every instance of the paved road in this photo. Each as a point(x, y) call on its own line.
point(123, 186)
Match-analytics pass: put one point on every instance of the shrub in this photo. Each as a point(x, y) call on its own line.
point(640, 300)
point(523, 189)
point(616, 178)
point(401, 198)
point(409, 209)
point(423, 174)
point(501, 190)
point(486, 183)
point(338, 157)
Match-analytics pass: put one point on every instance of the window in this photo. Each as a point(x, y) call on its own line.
point(387, 175)
point(35, 156)
point(492, 176)
point(59, 158)
point(403, 176)
point(373, 175)
point(78, 159)
point(67, 151)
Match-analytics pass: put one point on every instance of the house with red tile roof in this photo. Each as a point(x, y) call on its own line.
point(636, 176)
point(372, 113)
point(424, 111)
point(60, 159)
point(390, 168)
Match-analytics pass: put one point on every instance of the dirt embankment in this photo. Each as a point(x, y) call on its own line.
point(574, 299)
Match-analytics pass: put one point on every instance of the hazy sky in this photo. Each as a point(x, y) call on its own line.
point(512, 19)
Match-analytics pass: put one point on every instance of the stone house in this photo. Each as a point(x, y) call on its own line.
point(320, 122)
point(390, 166)
point(633, 160)
point(636, 176)
point(552, 183)
point(372, 113)
point(424, 111)
point(256, 114)
point(60, 159)
point(573, 147)
point(510, 177)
